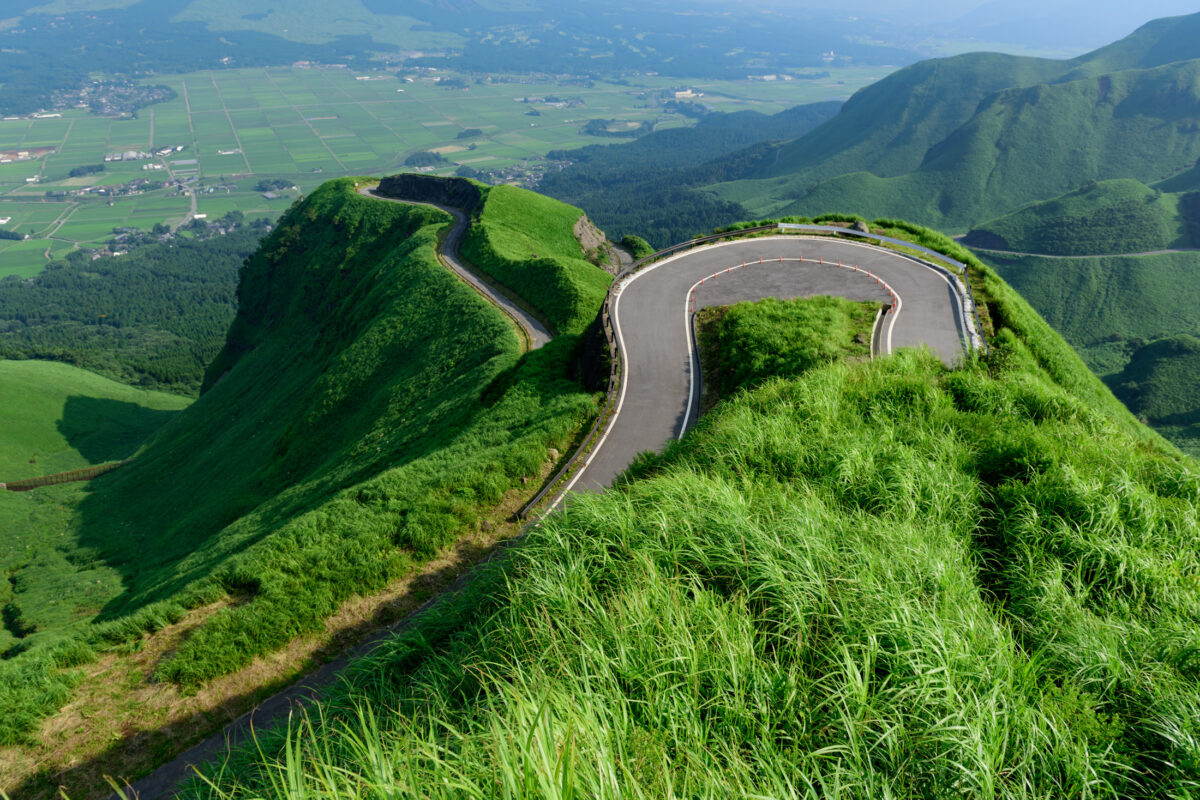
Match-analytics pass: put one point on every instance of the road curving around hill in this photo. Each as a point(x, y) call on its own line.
point(659, 393)
point(652, 314)
point(532, 329)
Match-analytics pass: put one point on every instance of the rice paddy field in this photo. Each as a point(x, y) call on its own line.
point(238, 127)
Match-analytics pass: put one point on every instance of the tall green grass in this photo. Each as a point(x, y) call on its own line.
point(748, 343)
point(526, 242)
point(879, 579)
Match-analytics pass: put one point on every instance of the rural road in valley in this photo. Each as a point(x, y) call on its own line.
point(536, 333)
point(658, 396)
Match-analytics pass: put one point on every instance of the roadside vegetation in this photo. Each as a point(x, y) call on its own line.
point(367, 410)
point(874, 578)
point(747, 343)
point(526, 242)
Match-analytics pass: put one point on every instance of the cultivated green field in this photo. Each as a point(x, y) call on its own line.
point(306, 125)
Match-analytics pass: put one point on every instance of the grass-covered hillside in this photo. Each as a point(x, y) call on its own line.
point(1161, 384)
point(1108, 308)
point(956, 141)
point(56, 418)
point(876, 578)
point(1107, 218)
point(526, 242)
point(368, 409)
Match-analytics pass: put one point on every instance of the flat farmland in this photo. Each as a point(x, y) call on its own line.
point(231, 129)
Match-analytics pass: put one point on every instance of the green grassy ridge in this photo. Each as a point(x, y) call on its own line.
point(525, 241)
point(955, 141)
point(1022, 145)
point(368, 407)
point(877, 579)
point(1106, 218)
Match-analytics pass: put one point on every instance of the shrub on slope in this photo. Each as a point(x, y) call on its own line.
point(526, 242)
point(367, 408)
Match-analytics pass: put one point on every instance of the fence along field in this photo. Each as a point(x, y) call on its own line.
point(241, 126)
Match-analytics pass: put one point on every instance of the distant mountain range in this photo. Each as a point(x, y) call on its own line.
point(1094, 156)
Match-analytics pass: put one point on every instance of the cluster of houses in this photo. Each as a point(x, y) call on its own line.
point(33, 153)
point(141, 155)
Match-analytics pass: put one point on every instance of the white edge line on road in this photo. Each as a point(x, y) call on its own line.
point(689, 321)
point(616, 321)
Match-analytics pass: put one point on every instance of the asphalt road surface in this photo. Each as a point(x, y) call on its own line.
point(661, 388)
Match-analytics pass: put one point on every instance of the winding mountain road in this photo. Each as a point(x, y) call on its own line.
point(652, 315)
point(660, 389)
point(536, 334)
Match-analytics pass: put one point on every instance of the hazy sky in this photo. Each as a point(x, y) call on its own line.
point(1035, 23)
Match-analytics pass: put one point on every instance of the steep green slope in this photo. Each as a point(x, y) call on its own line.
point(1108, 218)
point(526, 242)
point(1022, 145)
point(1107, 307)
point(877, 579)
point(367, 408)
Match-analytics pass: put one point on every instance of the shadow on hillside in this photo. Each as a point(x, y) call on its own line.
point(108, 430)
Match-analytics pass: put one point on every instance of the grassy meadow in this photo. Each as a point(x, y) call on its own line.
point(56, 418)
point(872, 579)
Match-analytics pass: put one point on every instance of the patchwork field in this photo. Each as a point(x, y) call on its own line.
point(239, 127)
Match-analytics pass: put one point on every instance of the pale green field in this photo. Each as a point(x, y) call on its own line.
point(239, 126)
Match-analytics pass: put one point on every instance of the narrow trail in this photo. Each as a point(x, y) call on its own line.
point(660, 386)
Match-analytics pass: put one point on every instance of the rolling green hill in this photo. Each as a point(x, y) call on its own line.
point(368, 408)
point(1108, 218)
point(878, 578)
point(55, 418)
